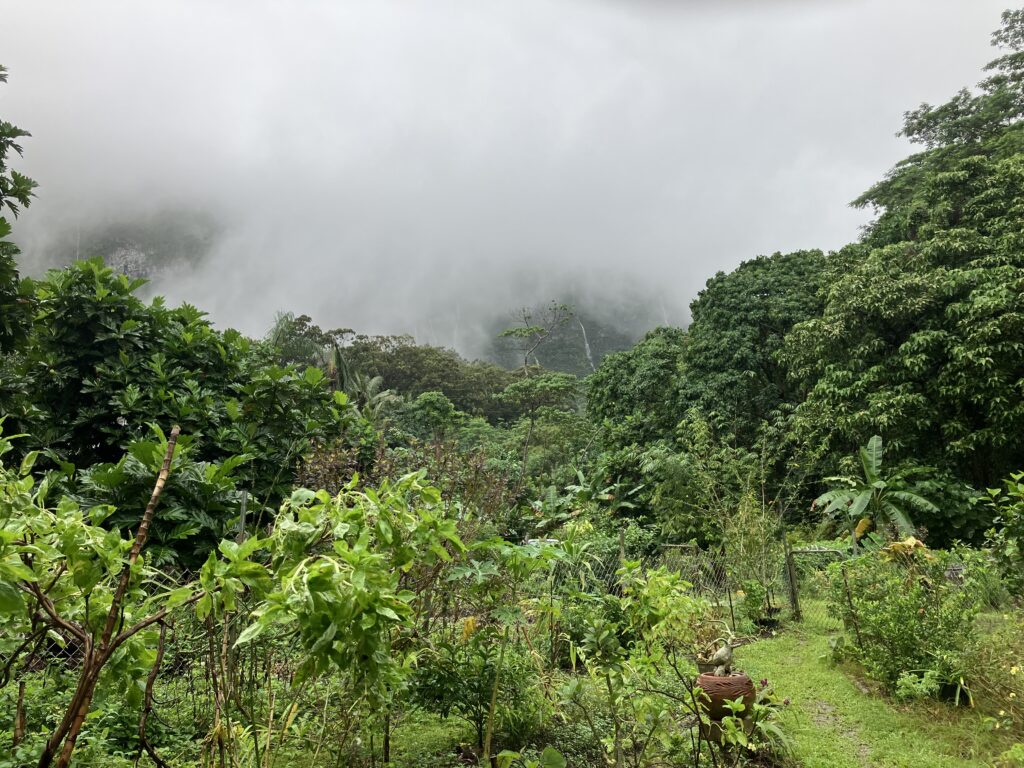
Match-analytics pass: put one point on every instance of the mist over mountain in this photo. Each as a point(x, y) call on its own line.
point(427, 168)
point(511, 383)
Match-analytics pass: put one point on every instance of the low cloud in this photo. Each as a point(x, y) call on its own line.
point(408, 167)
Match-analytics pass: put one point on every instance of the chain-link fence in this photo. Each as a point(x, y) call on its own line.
point(787, 585)
point(809, 566)
point(750, 599)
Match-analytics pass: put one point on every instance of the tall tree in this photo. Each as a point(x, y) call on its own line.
point(732, 371)
point(922, 334)
point(634, 395)
point(16, 192)
point(532, 328)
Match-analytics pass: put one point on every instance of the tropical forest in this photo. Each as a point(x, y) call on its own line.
point(786, 530)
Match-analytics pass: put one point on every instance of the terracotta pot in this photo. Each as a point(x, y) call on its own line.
point(718, 690)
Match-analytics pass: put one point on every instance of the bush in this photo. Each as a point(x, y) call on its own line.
point(457, 678)
point(754, 596)
point(912, 612)
point(1006, 537)
point(998, 669)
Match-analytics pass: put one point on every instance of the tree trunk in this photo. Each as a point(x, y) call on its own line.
point(617, 728)
point(71, 739)
point(19, 716)
point(494, 698)
point(147, 706)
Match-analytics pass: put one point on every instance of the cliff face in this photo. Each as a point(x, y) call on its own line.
point(150, 246)
point(580, 344)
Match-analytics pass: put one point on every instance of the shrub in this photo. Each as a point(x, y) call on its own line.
point(754, 596)
point(1006, 537)
point(457, 678)
point(911, 611)
point(998, 669)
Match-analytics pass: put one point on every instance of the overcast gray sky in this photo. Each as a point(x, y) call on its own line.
point(379, 163)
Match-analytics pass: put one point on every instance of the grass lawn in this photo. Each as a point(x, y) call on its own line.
point(837, 720)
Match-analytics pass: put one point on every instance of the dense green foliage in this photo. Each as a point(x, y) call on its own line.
point(634, 394)
point(362, 531)
point(413, 369)
point(16, 192)
point(1006, 537)
point(920, 337)
point(911, 614)
point(915, 333)
point(732, 371)
point(98, 366)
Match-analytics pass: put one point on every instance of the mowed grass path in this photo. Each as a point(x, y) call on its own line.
point(838, 721)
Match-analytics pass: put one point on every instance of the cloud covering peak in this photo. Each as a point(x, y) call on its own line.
point(388, 165)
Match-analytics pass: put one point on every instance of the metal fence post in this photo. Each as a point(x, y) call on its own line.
point(794, 597)
point(853, 611)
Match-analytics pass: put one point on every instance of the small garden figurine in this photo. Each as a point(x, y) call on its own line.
point(722, 660)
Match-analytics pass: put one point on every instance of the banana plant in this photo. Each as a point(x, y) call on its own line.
point(366, 393)
point(875, 496)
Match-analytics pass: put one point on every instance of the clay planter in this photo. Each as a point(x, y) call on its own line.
point(718, 690)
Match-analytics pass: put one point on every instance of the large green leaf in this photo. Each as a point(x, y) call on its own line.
point(10, 598)
point(871, 459)
point(552, 758)
point(860, 504)
point(899, 518)
point(834, 501)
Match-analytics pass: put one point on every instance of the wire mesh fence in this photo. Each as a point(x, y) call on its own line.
point(750, 599)
point(811, 580)
point(795, 589)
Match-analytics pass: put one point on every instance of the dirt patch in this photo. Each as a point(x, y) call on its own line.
point(824, 715)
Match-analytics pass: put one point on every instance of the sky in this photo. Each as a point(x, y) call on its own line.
point(403, 166)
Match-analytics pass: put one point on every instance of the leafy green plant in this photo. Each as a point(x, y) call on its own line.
point(1011, 758)
point(61, 573)
point(336, 563)
point(755, 596)
point(756, 732)
point(549, 758)
point(1006, 537)
point(911, 686)
point(199, 505)
point(646, 621)
point(458, 677)
point(910, 611)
